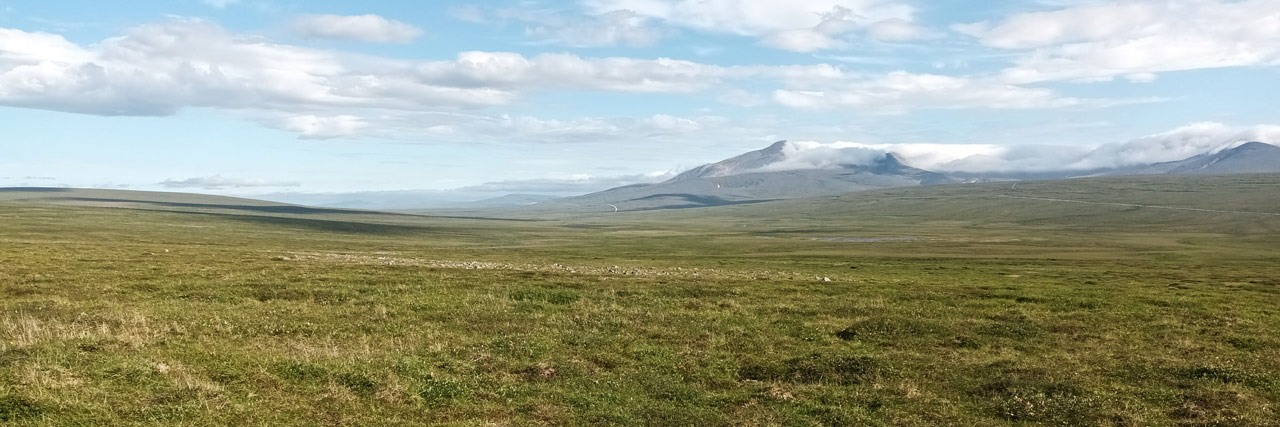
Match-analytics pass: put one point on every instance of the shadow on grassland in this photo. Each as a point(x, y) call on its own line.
point(281, 209)
point(327, 225)
point(34, 190)
point(275, 209)
point(695, 201)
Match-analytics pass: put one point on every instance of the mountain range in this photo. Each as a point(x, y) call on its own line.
point(761, 175)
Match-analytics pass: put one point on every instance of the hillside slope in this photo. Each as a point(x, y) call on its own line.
point(741, 180)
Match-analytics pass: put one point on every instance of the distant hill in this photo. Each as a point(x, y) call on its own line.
point(98, 196)
point(751, 177)
point(748, 162)
point(1251, 157)
point(167, 201)
point(748, 178)
point(510, 200)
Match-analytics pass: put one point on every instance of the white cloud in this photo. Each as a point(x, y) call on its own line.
point(1176, 144)
point(619, 27)
point(586, 129)
point(19, 47)
point(317, 127)
point(158, 69)
point(818, 155)
point(812, 155)
point(663, 123)
point(757, 17)
point(1135, 39)
point(366, 28)
point(565, 71)
point(796, 25)
point(896, 30)
point(822, 36)
point(900, 91)
point(803, 40)
point(162, 68)
point(217, 182)
point(546, 25)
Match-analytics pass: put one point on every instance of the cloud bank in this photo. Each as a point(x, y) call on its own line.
point(1134, 39)
point(1176, 144)
point(162, 68)
point(797, 25)
point(365, 28)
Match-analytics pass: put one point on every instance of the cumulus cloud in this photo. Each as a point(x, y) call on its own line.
point(900, 91)
point(798, 25)
point(365, 28)
point(218, 182)
point(19, 47)
point(822, 36)
point(565, 71)
point(1173, 145)
point(1135, 39)
point(158, 69)
point(555, 26)
point(896, 30)
point(162, 68)
point(316, 127)
point(586, 129)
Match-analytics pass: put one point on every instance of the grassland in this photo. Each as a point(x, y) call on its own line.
point(954, 305)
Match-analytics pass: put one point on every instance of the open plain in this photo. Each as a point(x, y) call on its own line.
point(1075, 302)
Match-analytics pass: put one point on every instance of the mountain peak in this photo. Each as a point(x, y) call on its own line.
point(1250, 157)
point(892, 158)
point(776, 147)
point(748, 161)
point(1254, 146)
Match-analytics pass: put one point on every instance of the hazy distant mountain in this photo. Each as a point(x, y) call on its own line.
point(1252, 157)
point(752, 177)
point(510, 200)
point(745, 163)
point(746, 179)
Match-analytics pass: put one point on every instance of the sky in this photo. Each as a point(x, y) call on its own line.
point(313, 101)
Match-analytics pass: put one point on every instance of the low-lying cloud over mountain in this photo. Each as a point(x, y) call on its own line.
point(802, 169)
point(806, 168)
point(1177, 144)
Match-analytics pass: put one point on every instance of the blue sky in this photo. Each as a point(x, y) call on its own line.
point(473, 99)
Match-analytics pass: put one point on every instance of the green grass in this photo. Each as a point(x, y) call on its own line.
point(198, 310)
